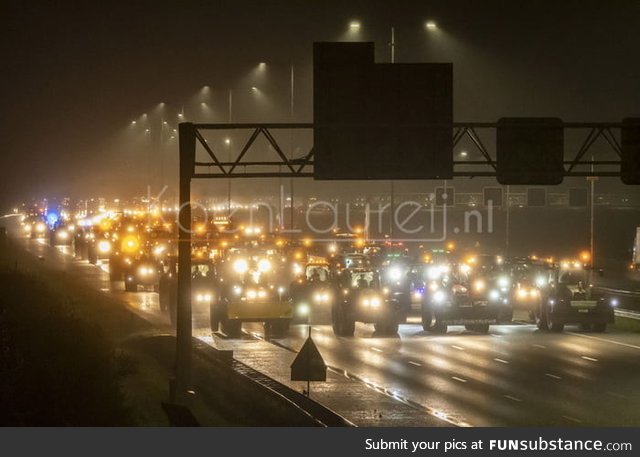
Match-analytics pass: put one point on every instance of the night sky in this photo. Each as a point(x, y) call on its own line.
point(75, 74)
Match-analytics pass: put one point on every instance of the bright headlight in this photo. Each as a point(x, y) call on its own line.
point(252, 294)
point(614, 302)
point(241, 266)
point(540, 281)
point(375, 302)
point(523, 293)
point(417, 295)
point(262, 294)
point(321, 297)
point(104, 246)
point(479, 285)
point(433, 286)
point(434, 272)
point(303, 309)
point(130, 244)
point(27, 227)
point(40, 227)
point(158, 250)
point(237, 290)
point(62, 234)
point(503, 281)
point(395, 274)
point(264, 265)
point(439, 296)
point(494, 295)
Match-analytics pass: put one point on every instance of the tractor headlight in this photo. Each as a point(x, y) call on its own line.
point(303, 309)
point(204, 298)
point(371, 302)
point(321, 297)
point(104, 247)
point(395, 274)
point(479, 285)
point(241, 266)
point(439, 297)
point(264, 265)
point(434, 272)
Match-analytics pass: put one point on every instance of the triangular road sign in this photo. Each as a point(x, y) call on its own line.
point(309, 365)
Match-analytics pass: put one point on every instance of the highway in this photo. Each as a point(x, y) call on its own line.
point(514, 376)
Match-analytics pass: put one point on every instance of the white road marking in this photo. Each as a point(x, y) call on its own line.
point(539, 346)
point(573, 419)
point(590, 359)
point(502, 361)
point(459, 348)
point(633, 346)
point(512, 398)
point(496, 336)
point(552, 376)
point(376, 349)
point(414, 363)
point(455, 378)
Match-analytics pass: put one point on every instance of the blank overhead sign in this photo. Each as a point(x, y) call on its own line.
point(530, 151)
point(630, 163)
point(536, 196)
point(380, 121)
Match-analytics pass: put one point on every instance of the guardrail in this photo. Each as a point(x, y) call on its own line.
point(628, 293)
point(627, 313)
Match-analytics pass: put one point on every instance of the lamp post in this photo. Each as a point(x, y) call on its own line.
point(291, 99)
point(228, 144)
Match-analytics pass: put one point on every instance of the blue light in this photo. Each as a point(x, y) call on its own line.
point(52, 219)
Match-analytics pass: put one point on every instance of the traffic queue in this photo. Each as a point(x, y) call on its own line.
point(242, 274)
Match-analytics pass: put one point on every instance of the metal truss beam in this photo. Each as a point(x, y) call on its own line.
point(302, 167)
